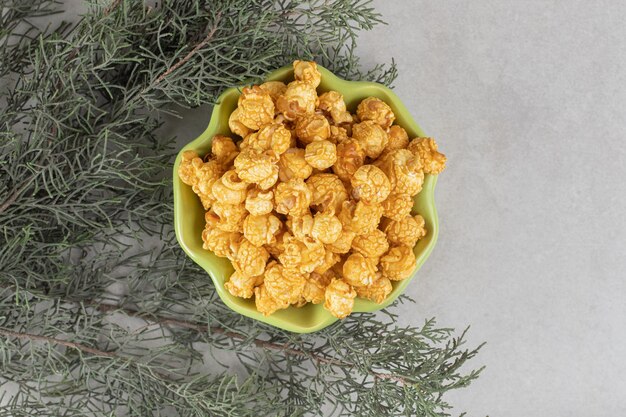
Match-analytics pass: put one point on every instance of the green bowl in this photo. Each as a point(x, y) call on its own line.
point(189, 213)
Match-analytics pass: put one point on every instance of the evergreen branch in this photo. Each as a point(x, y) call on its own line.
point(53, 341)
point(191, 53)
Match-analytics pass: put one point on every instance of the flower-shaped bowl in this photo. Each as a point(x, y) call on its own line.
point(189, 213)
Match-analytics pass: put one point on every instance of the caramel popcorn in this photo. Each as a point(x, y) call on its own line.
point(259, 202)
point(320, 154)
point(256, 167)
point(235, 125)
point(377, 291)
point(327, 192)
point(397, 206)
point(261, 230)
point(230, 189)
point(274, 88)
point(302, 255)
point(241, 285)
point(229, 217)
point(292, 197)
point(371, 245)
point(256, 107)
point(293, 165)
point(273, 137)
point(315, 287)
point(312, 127)
point(250, 260)
point(398, 263)
point(297, 205)
point(350, 157)
point(224, 150)
point(359, 271)
point(298, 100)
point(332, 103)
point(406, 231)
point(339, 298)
point(265, 303)
point(433, 162)
point(404, 171)
point(370, 185)
point(306, 71)
point(376, 110)
point(371, 136)
point(282, 284)
point(326, 228)
point(398, 138)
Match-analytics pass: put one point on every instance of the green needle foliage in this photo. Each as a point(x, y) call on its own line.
point(101, 314)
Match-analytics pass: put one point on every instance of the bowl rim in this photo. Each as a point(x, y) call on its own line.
point(428, 188)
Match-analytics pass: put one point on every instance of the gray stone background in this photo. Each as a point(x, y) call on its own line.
point(528, 100)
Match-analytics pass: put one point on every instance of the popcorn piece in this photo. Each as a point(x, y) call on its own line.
point(229, 217)
point(370, 184)
point(298, 100)
point(404, 171)
point(397, 206)
point(258, 168)
point(235, 125)
point(315, 287)
point(321, 154)
point(259, 202)
point(327, 192)
point(282, 284)
point(242, 286)
point(274, 89)
point(332, 103)
point(398, 138)
point(371, 136)
point(306, 71)
point(221, 243)
point(343, 243)
point(376, 110)
point(338, 134)
point(371, 245)
point(277, 247)
point(326, 228)
point(293, 165)
point(360, 217)
point(398, 263)
point(265, 303)
point(339, 298)
point(200, 176)
point(300, 227)
point(250, 260)
point(292, 197)
point(432, 160)
point(350, 157)
point(272, 137)
point(230, 189)
point(359, 271)
point(256, 107)
point(377, 291)
point(406, 231)
point(303, 256)
point(224, 150)
point(312, 127)
point(261, 230)
point(330, 259)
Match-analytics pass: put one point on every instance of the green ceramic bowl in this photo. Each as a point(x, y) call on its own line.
point(189, 213)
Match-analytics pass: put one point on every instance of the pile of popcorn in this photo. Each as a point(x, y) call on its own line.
point(314, 204)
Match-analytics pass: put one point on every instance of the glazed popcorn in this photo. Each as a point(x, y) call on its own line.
point(310, 203)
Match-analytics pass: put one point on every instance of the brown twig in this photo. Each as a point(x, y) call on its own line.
point(191, 53)
point(16, 192)
point(72, 345)
point(111, 7)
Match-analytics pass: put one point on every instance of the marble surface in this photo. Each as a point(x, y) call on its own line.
point(528, 100)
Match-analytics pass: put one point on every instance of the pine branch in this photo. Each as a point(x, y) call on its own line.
point(59, 342)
